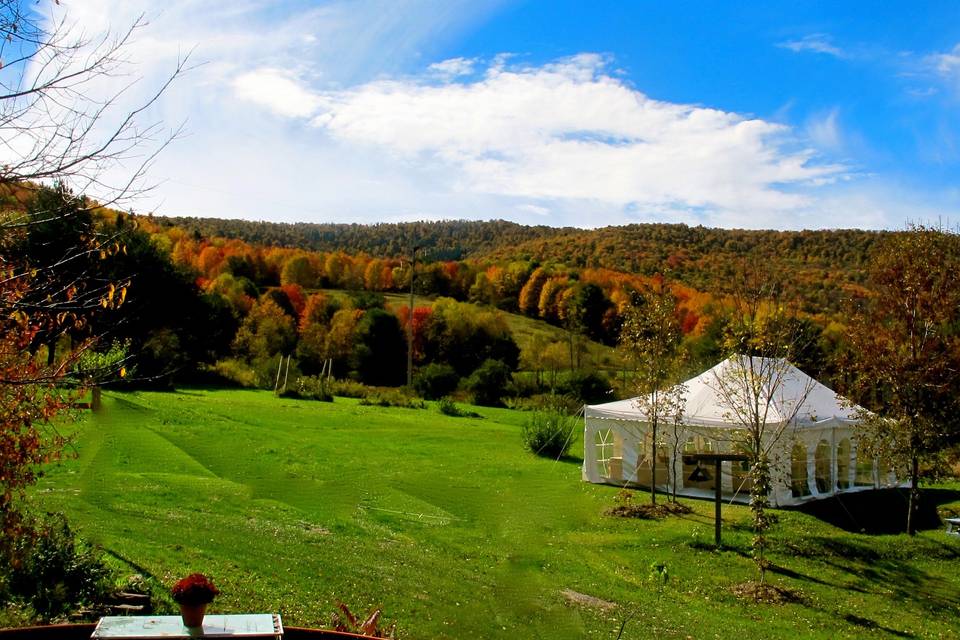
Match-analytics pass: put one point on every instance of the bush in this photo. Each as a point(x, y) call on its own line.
point(449, 408)
point(549, 433)
point(435, 381)
point(549, 401)
point(237, 372)
point(308, 388)
point(52, 572)
point(489, 383)
point(586, 388)
point(348, 388)
point(392, 398)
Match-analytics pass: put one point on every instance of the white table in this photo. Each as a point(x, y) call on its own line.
point(256, 625)
point(953, 526)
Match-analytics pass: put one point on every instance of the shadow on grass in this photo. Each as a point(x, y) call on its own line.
point(880, 512)
point(867, 623)
point(886, 568)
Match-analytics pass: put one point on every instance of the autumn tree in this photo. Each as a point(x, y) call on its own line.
point(529, 299)
point(266, 331)
point(380, 349)
point(55, 125)
point(904, 355)
point(651, 336)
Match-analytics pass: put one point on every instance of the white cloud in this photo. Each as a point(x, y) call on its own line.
point(567, 130)
point(453, 67)
point(816, 43)
point(278, 90)
point(355, 111)
point(824, 130)
point(947, 64)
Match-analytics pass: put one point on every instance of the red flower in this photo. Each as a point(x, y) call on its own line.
point(195, 589)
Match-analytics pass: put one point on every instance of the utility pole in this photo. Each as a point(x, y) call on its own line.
point(413, 273)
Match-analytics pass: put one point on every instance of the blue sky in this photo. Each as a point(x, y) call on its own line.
point(764, 115)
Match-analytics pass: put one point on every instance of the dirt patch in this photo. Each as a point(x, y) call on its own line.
point(765, 593)
point(649, 511)
point(583, 600)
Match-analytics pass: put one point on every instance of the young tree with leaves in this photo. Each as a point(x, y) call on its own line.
point(904, 355)
point(762, 339)
point(651, 336)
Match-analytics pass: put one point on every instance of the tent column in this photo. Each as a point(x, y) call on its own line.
point(834, 478)
point(812, 469)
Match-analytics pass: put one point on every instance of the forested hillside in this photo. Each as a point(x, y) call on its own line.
point(820, 267)
point(238, 295)
point(442, 240)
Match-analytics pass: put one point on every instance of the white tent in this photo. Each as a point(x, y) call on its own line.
point(815, 457)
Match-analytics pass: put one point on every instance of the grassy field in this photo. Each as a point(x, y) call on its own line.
point(454, 529)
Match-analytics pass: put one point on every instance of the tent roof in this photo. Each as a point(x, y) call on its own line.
point(712, 396)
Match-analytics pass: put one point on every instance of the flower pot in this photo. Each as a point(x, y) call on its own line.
point(192, 614)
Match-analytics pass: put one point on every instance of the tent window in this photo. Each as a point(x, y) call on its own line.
point(604, 444)
point(822, 467)
point(885, 474)
point(864, 473)
point(799, 486)
point(843, 464)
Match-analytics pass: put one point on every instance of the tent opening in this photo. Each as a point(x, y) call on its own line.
point(843, 464)
point(864, 472)
point(698, 444)
point(799, 486)
point(822, 463)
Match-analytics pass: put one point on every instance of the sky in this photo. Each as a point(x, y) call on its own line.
point(783, 115)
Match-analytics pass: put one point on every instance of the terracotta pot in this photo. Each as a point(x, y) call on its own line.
point(192, 614)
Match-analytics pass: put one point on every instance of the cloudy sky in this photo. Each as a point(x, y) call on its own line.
point(761, 115)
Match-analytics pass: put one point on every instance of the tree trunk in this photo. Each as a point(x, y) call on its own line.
point(653, 463)
point(914, 503)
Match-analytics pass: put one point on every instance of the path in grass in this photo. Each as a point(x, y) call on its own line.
point(454, 529)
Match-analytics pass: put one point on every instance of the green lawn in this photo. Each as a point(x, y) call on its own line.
point(454, 529)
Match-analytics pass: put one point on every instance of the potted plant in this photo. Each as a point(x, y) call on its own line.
point(193, 594)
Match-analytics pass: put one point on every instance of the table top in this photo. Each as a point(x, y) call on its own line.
point(214, 626)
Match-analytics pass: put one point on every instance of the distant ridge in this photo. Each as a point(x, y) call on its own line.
point(441, 240)
point(820, 265)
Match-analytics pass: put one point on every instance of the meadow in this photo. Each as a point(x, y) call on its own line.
point(455, 530)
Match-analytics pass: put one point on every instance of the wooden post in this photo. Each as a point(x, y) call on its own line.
point(716, 484)
point(717, 459)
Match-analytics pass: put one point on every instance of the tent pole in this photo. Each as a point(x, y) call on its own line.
point(716, 495)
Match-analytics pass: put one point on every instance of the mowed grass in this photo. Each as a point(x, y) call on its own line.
point(455, 530)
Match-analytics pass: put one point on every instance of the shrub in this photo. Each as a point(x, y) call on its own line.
point(489, 383)
point(549, 401)
point(549, 433)
point(392, 398)
point(237, 372)
point(449, 408)
point(435, 381)
point(308, 388)
point(586, 388)
point(53, 572)
point(348, 388)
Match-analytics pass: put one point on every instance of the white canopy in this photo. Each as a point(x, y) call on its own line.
point(706, 404)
